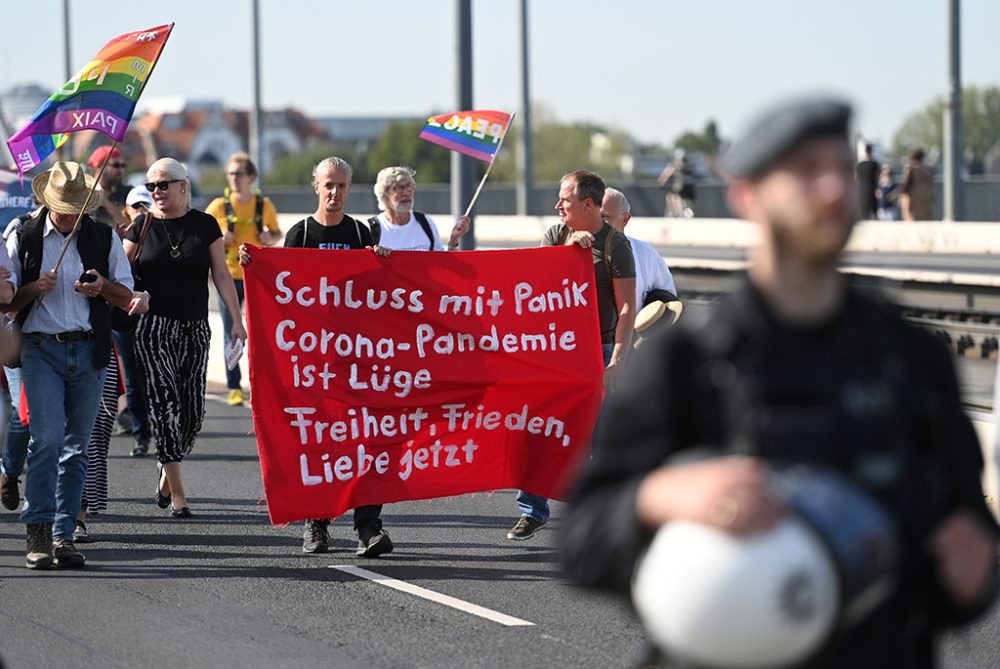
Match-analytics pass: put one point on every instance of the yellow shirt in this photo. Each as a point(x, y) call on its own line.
point(244, 231)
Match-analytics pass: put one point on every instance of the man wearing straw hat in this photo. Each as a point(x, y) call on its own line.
point(69, 268)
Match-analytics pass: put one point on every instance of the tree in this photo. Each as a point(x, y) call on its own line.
point(295, 169)
point(707, 141)
point(400, 144)
point(980, 118)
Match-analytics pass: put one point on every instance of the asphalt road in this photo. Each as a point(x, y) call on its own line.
point(226, 589)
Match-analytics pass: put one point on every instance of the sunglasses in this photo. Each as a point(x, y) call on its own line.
point(139, 205)
point(162, 185)
point(117, 165)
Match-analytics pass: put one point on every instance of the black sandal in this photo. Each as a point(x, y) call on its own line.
point(183, 512)
point(162, 501)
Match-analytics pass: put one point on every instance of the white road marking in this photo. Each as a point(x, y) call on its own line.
point(459, 604)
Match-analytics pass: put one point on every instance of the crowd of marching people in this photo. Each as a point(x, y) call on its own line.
point(141, 324)
point(795, 368)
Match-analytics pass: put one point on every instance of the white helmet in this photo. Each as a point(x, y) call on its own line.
point(771, 599)
point(716, 600)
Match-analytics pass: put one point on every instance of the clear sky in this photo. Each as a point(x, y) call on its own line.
point(651, 67)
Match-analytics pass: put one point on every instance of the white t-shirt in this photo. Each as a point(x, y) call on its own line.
point(651, 271)
point(409, 236)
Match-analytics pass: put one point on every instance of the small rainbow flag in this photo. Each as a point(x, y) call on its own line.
point(476, 133)
point(101, 96)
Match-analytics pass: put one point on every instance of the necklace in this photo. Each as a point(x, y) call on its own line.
point(175, 251)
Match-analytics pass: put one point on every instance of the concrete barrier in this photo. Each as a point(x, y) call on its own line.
point(869, 236)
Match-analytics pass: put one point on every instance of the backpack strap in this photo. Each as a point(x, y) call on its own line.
point(607, 257)
point(425, 224)
point(230, 214)
point(145, 221)
point(258, 216)
point(357, 229)
point(563, 236)
point(376, 229)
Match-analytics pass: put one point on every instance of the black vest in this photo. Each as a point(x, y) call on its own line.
point(93, 241)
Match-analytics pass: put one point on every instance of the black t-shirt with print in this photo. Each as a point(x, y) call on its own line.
point(348, 234)
point(178, 287)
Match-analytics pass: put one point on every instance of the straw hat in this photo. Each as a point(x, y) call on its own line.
point(64, 188)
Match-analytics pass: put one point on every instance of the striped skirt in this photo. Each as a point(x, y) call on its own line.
point(174, 359)
point(95, 487)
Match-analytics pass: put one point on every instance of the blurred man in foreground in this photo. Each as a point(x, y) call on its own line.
point(796, 367)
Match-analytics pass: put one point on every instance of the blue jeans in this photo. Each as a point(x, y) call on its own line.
point(135, 389)
point(233, 377)
point(536, 506)
point(63, 388)
point(15, 450)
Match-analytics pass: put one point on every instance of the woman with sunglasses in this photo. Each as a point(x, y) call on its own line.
point(173, 252)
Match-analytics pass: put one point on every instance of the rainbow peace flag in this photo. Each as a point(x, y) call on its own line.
point(101, 96)
point(476, 133)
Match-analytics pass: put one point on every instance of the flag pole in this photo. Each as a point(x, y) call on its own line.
point(90, 196)
point(482, 181)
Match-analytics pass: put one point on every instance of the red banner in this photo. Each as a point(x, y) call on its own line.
point(421, 375)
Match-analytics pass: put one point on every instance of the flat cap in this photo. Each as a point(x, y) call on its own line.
point(781, 129)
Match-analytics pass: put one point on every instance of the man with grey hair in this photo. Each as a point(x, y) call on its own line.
point(651, 271)
point(399, 226)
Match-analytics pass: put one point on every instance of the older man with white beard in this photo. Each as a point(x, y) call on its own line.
point(399, 227)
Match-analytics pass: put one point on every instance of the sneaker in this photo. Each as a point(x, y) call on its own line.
point(80, 534)
point(39, 546)
point(525, 529)
point(373, 541)
point(315, 539)
point(10, 492)
point(236, 397)
point(66, 555)
point(141, 448)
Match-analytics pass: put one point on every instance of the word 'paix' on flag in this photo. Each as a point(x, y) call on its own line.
point(477, 133)
point(101, 96)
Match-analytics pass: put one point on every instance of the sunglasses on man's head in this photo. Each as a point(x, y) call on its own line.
point(162, 185)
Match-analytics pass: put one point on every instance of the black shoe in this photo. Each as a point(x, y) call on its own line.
point(315, 538)
point(373, 541)
point(525, 528)
point(66, 556)
point(162, 501)
point(39, 546)
point(141, 448)
point(183, 512)
point(10, 492)
point(80, 534)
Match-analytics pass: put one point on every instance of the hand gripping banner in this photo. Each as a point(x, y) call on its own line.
point(416, 376)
